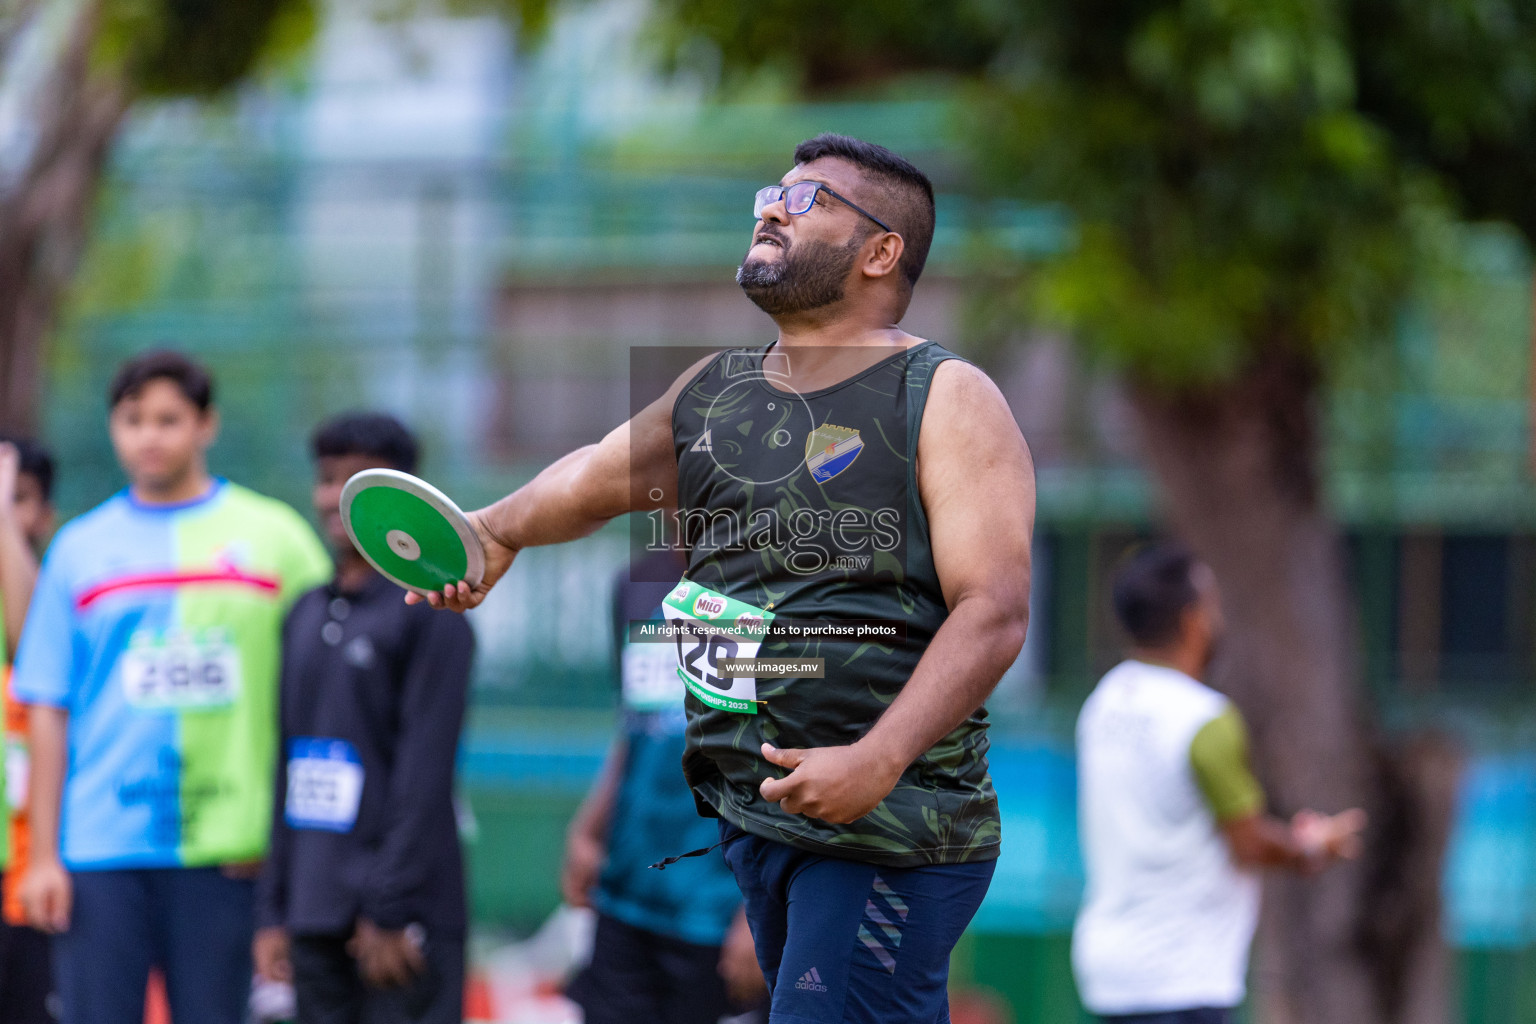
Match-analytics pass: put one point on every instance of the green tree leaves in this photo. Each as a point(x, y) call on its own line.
point(198, 47)
point(1243, 174)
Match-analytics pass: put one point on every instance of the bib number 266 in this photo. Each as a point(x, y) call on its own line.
point(181, 672)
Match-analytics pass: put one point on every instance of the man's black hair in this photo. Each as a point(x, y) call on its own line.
point(904, 193)
point(190, 377)
point(377, 435)
point(1152, 590)
point(35, 462)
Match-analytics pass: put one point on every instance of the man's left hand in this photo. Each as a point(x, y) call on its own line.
point(241, 870)
point(835, 784)
point(386, 958)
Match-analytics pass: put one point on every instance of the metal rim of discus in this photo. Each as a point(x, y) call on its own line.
point(412, 533)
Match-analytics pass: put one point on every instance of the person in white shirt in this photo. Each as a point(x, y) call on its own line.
point(1172, 821)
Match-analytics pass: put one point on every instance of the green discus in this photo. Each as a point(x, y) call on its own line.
point(410, 531)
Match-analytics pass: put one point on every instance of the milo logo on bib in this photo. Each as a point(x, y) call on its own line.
point(703, 643)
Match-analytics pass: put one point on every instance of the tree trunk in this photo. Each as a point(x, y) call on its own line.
point(1360, 944)
point(44, 216)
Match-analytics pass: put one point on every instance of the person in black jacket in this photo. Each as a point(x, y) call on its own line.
point(361, 903)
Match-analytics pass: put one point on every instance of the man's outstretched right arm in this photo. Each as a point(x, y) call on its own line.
point(633, 469)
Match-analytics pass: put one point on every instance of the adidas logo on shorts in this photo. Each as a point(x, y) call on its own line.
point(810, 981)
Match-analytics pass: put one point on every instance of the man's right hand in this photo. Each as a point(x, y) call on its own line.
point(270, 951)
point(47, 896)
point(1325, 838)
point(461, 597)
point(579, 871)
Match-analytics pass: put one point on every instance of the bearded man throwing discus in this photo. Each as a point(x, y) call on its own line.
point(848, 472)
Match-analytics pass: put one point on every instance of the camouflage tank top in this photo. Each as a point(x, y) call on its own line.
point(802, 510)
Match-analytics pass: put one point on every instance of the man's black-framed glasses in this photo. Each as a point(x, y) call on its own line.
point(800, 197)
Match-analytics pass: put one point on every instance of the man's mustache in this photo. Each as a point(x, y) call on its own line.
point(772, 233)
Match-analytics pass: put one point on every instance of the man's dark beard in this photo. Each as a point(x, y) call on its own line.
point(808, 276)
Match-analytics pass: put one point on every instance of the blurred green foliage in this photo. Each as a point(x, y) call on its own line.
point(198, 47)
point(1454, 83)
point(847, 44)
point(1246, 175)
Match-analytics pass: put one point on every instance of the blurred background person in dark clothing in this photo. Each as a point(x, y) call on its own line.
point(362, 902)
point(671, 945)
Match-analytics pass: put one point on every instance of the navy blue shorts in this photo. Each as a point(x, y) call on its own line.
point(845, 941)
point(193, 923)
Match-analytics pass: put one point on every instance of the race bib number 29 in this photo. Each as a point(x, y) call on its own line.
point(708, 628)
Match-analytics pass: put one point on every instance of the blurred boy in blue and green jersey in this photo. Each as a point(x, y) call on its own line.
point(151, 659)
